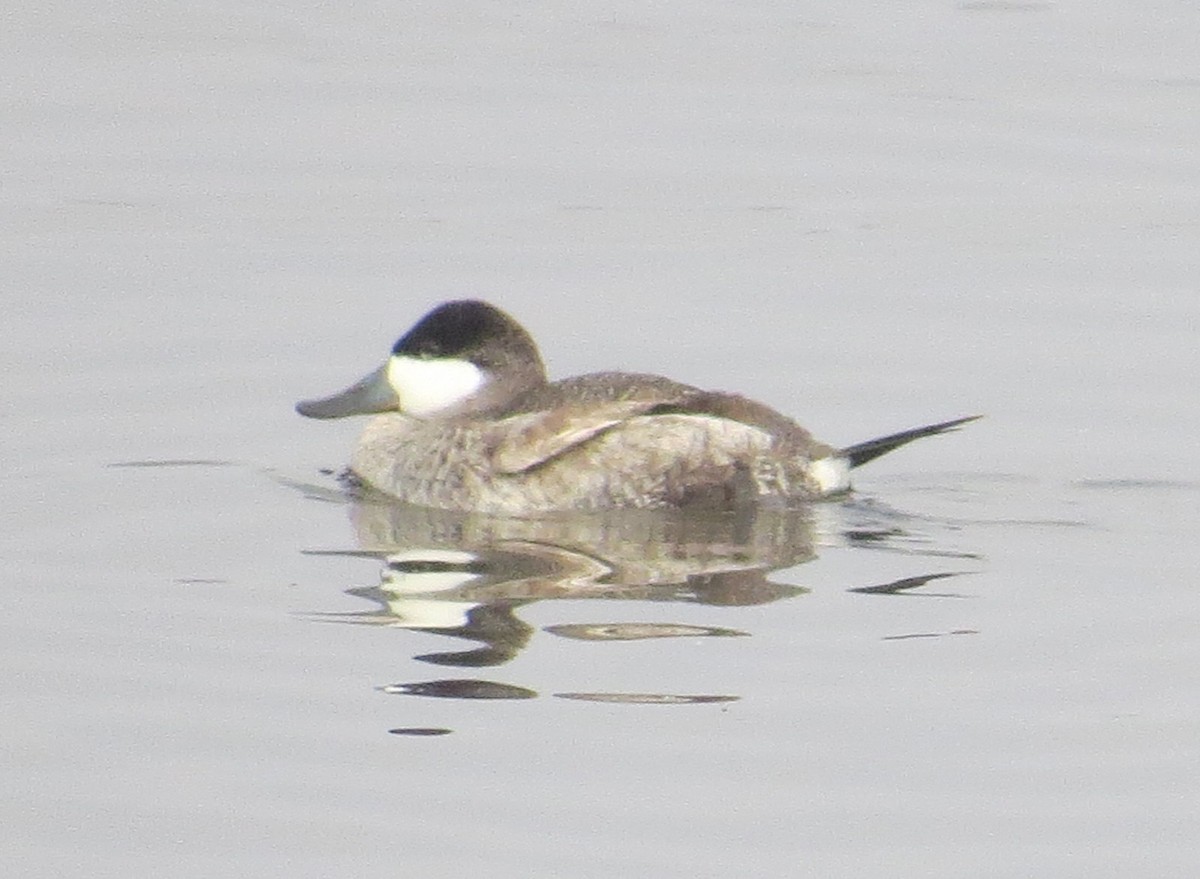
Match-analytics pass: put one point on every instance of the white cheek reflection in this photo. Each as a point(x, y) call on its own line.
point(422, 571)
point(416, 613)
point(427, 387)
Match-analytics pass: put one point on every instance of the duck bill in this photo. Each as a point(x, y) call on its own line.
point(372, 394)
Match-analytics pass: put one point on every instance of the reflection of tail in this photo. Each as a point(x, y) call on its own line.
point(861, 453)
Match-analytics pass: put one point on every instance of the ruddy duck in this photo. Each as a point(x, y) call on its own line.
point(466, 420)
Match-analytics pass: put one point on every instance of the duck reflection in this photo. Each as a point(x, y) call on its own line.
point(466, 576)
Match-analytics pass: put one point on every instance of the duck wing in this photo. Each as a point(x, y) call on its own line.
point(578, 410)
point(599, 388)
point(532, 440)
point(734, 407)
point(552, 419)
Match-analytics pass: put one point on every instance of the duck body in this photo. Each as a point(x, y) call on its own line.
point(466, 420)
point(591, 442)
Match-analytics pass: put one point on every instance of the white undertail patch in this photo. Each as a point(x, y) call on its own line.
point(428, 387)
point(832, 475)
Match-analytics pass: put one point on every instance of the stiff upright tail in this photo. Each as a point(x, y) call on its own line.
point(861, 453)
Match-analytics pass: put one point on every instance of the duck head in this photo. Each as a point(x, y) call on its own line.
point(461, 358)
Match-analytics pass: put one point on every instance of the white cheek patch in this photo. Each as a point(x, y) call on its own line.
point(427, 387)
point(831, 474)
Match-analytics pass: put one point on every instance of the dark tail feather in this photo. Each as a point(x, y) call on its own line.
point(861, 453)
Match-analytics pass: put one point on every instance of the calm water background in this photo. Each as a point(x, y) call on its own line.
point(869, 218)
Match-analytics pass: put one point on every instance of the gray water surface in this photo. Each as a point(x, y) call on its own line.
point(985, 663)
